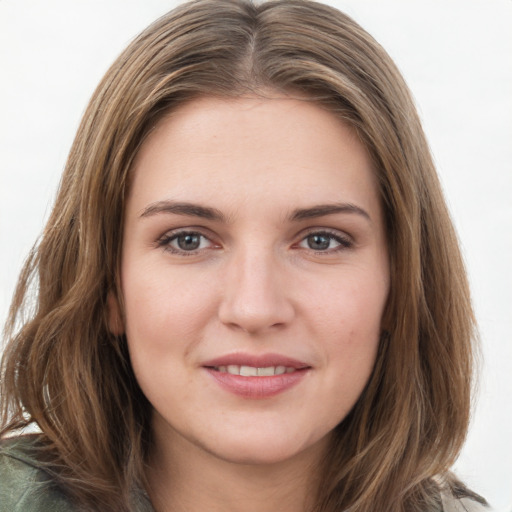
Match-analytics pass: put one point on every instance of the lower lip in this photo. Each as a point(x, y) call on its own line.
point(257, 387)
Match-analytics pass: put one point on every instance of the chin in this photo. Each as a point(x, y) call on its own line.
point(254, 457)
point(263, 452)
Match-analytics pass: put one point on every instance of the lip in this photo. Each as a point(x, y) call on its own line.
point(256, 360)
point(256, 388)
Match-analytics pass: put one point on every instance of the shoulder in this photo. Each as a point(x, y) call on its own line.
point(454, 504)
point(456, 497)
point(24, 485)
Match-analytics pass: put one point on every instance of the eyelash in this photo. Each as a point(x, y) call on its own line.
point(344, 241)
point(166, 240)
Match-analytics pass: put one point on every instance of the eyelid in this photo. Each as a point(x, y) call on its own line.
point(345, 240)
point(165, 240)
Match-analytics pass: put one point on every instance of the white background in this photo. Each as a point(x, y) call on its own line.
point(456, 56)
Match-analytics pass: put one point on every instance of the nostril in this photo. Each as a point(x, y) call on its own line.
point(253, 320)
point(253, 296)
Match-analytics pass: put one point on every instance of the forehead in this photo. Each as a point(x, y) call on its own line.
point(213, 149)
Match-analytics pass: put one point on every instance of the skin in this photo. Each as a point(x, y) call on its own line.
point(259, 282)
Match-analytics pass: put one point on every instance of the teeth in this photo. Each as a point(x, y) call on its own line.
point(234, 369)
point(248, 371)
point(265, 372)
point(251, 371)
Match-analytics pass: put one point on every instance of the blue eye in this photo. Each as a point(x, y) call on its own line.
point(319, 242)
point(188, 241)
point(324, 242)
point(184, 241)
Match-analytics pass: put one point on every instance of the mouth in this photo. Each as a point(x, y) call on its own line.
point(253, 365)
point(256, 376)
point(253, 371)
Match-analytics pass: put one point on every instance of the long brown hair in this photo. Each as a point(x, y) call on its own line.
point(63, 369)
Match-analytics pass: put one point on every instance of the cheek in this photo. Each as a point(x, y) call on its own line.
point(348, 321)
point(350, 306)
point(162, 326)
point(163, 309)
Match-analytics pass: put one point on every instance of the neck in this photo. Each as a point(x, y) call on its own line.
point(183, 477)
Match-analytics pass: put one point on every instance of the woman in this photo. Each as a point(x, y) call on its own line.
point(250, 294)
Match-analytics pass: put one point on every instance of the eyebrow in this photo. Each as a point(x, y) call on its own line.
point(328, 209)
point(183, 208)
point(206, 212)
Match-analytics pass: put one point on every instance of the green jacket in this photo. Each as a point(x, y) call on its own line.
point(26, 487)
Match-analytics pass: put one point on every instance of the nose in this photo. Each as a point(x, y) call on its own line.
point(254, 298)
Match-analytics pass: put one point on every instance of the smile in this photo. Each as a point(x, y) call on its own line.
point(252, 371)
point(252, 376)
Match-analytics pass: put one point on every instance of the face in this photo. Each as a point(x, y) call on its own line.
point(254, 275)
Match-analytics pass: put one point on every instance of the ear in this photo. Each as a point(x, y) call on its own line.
point(115, 322)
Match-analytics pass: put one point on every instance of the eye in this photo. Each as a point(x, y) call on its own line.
point(325, 242)
point(184, 242)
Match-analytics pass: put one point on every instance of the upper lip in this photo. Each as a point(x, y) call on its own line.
point(256, 361)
